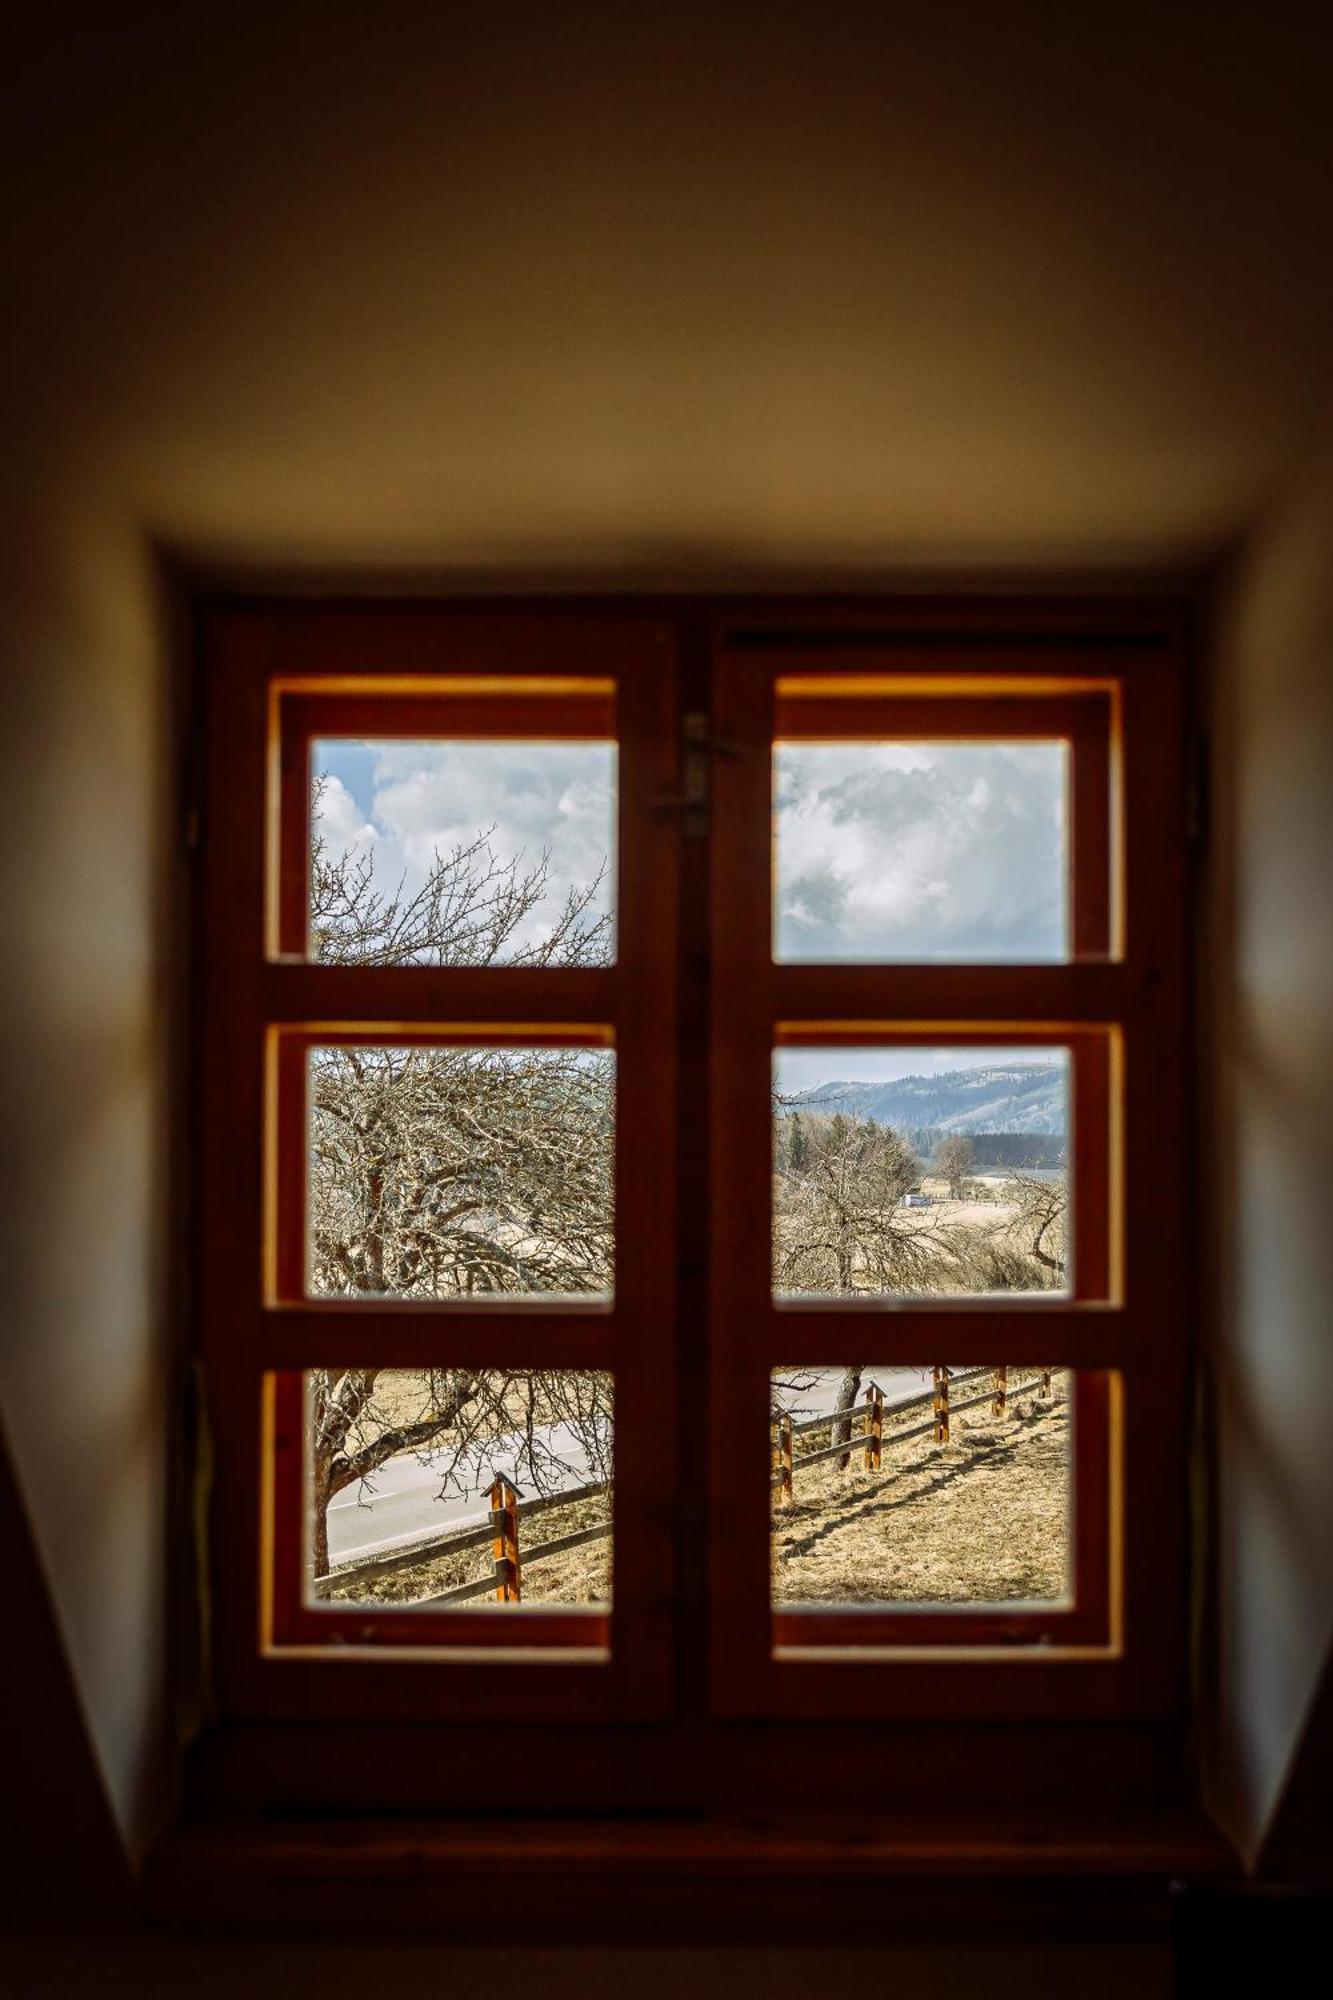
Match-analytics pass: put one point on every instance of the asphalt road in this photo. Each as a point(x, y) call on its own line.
point(899, 1386)
point(402, 1502)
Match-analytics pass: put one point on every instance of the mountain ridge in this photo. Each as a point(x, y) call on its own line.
point(991, 1097)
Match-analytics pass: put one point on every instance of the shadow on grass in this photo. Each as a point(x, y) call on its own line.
point(879, 1502)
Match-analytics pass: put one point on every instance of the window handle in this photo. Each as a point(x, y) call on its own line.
point(698, 749)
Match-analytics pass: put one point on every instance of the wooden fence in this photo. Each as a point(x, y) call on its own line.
point(872, 1441)
point(501, 1533)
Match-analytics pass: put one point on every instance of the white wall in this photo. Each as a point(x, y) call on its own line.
point(1272, 974)
point(85, 771)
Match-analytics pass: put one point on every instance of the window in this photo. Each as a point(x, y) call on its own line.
point(693, 1196)
point(436, 1215)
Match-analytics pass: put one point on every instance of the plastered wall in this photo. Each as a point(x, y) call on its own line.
point(86, 771)
point(1269, 1247)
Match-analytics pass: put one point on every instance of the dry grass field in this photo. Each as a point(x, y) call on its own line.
point(983, 1519)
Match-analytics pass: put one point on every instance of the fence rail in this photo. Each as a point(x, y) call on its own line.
point(460, 1541)
point(908, 1403)
point(502, 1528)
point(506, 1584)
point(872, 1440)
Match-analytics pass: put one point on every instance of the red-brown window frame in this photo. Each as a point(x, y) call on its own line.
point(274, 679)
point(288, 1619)
point(820, 1330)
point(1041, 708)
point(384, 1733)
point(1119, 1004)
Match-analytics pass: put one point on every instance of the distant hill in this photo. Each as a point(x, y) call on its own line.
point(1008, 1097)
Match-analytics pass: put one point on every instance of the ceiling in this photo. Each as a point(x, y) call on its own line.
point(702, 296)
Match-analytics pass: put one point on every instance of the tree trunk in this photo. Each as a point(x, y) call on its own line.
point(320, 1496)
point(335, 1467)
point(848, 1391)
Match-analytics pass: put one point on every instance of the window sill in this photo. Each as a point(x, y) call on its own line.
point(696, 1877)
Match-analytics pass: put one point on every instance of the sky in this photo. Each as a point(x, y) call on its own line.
point(930, 851)
point(920, 851)
point(401, 801)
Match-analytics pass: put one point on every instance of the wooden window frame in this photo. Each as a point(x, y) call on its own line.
point(1039, 708)
point(1109, 1003)
point(441, 1331)
point(273, 680)
point(393, 1733)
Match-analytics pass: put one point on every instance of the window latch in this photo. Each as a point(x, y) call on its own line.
point(698, 749)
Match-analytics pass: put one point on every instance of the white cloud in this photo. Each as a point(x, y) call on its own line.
point(340, 819)
point(920, 851)
point(408, 801)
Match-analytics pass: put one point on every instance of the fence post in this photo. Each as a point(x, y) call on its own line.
point(875, 1429)
point(1045, 1381)
point(940, 1378)
point(1001, 1403)
point(785, 1455)
point(504, 1544)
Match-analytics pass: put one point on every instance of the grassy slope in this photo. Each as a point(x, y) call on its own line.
point(983, 1519)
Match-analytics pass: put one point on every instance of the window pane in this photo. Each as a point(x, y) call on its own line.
point(403, 1467)
point(921, 851)
point(909, 1171)
point(963, 1498)
point(460, 1173)
point(462, 853)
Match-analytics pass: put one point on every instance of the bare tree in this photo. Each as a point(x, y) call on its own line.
point(837, 1220)
point(465, 1421)
point(848, 1390)
point(953, 1161)
point(470, 908)
point(839, 1224)
point(1025, 1252)
point(839, 1227)
point(1041, 1221)
point(454, 1172)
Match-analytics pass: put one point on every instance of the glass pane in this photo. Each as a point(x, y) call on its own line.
point(909, 1171)
point(921, 851)
point(462, 853)
point(938, 1487)
point(460, 1173)
point(405, 1469)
